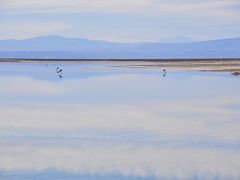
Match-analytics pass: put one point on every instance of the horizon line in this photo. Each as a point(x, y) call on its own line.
point(80, 38)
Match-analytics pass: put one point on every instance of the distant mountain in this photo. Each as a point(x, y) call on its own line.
point(177, 39)
point(61, 47)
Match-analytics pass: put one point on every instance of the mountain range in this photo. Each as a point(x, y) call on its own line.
point(48, 47)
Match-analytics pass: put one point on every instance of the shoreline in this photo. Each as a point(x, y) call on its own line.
point(118, 60)
point(231, 65)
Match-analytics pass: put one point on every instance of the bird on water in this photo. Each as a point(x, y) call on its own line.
point(59, 72)
point(164, 72)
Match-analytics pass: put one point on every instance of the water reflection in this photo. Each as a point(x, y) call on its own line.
point(106, 122)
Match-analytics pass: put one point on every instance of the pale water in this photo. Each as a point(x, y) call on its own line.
point(104, 120)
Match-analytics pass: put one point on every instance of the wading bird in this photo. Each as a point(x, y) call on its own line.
point(59, 72)
point(164, 72)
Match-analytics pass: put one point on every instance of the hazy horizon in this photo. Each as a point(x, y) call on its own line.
point(177, 39)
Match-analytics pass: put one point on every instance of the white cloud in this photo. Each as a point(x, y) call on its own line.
point(147, 7)
point(73, 5)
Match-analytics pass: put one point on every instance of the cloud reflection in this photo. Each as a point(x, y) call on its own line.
point(125, 159)
point(137, 125)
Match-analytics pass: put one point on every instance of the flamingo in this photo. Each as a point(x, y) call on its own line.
point(58, 70)
point(164, 72)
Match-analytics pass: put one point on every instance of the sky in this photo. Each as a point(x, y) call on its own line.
point(120, 20)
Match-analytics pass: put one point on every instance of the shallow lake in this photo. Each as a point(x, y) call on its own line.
point(107, 120)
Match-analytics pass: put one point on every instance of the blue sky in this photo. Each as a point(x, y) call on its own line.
point(120, 20)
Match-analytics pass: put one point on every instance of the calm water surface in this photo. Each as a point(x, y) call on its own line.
point(105, 121)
